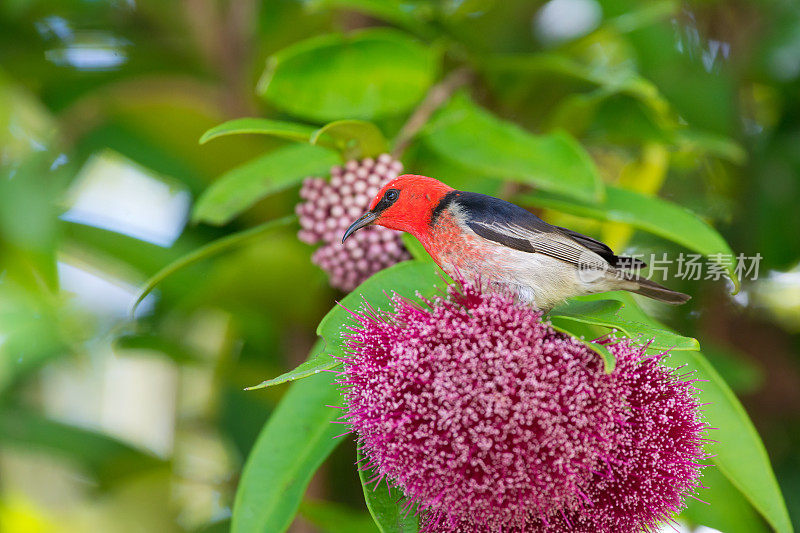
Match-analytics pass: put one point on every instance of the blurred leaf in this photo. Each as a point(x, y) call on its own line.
point(330, 517)
point(159, 345)
point(646, 15)
point(279, 128)
point(409, 279)
point(366, 74)
point(292, 445)
point(35, 328)
point(478, 140)
point(595, 80)
point(723, 507)
point(220, 526)
point(385, 504)
point(25, 125)
point(29, 190)
point(671, 55)
point(426, 162)
point(410, 15)
point(106, 458)
point(612, 79)
point(606, 313)
point(465, 9)
point(220, 245)
point(240, 188)
point(315, 365)
point(649, 213)
point(355, 139)
point(738, 452)
point(711, 143)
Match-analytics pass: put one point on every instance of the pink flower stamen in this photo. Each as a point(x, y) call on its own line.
point(489, 420)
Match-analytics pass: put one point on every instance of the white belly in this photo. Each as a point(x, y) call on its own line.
point(535, 278)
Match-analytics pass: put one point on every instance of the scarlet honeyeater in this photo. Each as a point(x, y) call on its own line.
point(475, 236)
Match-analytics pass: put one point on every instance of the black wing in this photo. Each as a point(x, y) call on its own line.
point(515, 227)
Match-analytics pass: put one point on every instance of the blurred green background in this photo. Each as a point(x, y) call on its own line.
point(113, 424)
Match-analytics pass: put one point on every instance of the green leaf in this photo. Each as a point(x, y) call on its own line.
point(738, 453)
point(106, 458)
point(355, 139)
point(585, 333)
point(610, 79)
point(723, 507)
point(415, 247)
point(385, 504)
point(365, 75)
point(408, 279)
point(209, 250)
point(649, 213)
point(240, 188)
point(330, 517)
point(606, 313)
point(313, 366)
point(478, 140)
point(262, 126)
point(706, 142)
point(292, 445)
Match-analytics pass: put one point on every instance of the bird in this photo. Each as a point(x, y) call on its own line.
point(477, 237)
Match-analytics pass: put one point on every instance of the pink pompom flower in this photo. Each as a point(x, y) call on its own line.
point(329, 209)
point(491, 421)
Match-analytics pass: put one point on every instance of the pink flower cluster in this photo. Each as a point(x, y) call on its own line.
point(491, 421)
point(330, 208)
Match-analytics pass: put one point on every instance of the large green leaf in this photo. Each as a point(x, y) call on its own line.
point(293, 131)
point(292, 445)
point(240, 188)
point(649, 213)
point(204, 252)
point(478, 140)
point(722, 507)
point(607, 313)
point(106, 458)
point(385, 504)
point(365, 75)
point(408, 279)
point(738, 453)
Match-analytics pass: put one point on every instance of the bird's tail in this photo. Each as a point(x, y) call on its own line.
point(651, 289)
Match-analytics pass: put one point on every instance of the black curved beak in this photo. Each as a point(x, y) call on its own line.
point(365, 220)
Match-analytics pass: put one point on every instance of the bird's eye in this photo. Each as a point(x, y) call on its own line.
point(391, 195)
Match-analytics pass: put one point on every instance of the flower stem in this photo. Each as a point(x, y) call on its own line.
point(437, 95)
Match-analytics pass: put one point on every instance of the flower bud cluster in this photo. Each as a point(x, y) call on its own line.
point(330, 207)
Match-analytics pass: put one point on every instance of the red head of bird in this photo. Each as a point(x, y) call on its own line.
point(406, 204)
